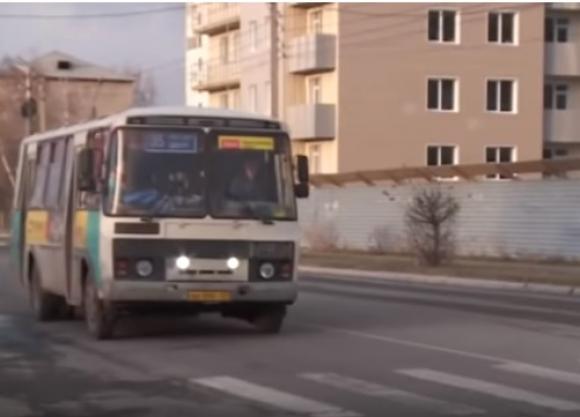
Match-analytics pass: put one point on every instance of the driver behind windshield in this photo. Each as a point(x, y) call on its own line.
point(248, 183)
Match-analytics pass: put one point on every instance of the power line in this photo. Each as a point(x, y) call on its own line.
point(91, 16)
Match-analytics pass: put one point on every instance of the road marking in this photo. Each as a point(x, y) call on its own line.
point(9, 355)
point(272, 397)
point(358, 386)
point(409, 343)
point(539, 371)
point(493, 389)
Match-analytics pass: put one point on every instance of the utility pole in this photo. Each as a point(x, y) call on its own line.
point(28, 106)
point(274, 61)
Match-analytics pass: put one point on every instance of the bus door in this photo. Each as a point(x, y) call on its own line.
point(25, 182)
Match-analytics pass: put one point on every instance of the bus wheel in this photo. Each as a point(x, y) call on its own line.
point(269, 320)
point(99, 316)
point(46, 306)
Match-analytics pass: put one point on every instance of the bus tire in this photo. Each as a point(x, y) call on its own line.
point(99, 316)
point(46, 306)
point(270, 319)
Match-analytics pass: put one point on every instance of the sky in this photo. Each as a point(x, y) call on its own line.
point(152, 42)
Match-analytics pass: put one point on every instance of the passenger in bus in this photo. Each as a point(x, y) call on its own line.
point(247, 184)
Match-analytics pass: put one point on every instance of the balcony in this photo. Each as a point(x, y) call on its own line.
point(215, 18)
point(564, 6)
point(312, 121)
point(312, 53)
point(563, 59)
point(218, 77)
point(307, 5)
point(562, 126)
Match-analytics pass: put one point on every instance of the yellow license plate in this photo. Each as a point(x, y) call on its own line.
point(209, 296)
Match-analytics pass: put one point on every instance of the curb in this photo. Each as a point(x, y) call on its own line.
point(403, 277)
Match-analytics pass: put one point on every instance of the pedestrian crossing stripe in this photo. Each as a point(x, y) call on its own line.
point(541, 372)
point(371, 389)
point(274, 398)
point(492, 389)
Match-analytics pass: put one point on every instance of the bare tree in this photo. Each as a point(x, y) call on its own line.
point(430, 220)
point(145, 90)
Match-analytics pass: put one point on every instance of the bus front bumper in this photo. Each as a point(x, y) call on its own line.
point(268, 292)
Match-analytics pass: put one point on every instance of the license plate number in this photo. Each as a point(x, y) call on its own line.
point(209, 296)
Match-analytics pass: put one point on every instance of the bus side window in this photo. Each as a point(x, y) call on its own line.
point(55, 173)
point(38, 185)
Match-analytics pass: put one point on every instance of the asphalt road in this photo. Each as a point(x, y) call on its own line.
point(349, 349)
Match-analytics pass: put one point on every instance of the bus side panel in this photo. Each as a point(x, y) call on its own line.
point(87, 240)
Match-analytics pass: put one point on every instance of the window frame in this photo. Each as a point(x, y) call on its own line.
point(514, 158)
point(439, 146)
point(455, 96)
point(515, 28)
point(556, 90)
point(312, 26)
point(515, 95)
point(310, 91)
point(440, 29)
point(557, 23)
point(253, 30)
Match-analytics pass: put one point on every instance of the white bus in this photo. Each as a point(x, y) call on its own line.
point(181, 210)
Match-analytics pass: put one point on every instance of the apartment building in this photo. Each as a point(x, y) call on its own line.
point(371, 86)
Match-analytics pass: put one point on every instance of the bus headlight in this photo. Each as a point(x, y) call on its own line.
point(144, 268)
point(267, 270)
point(233, 263)
point(183, 263)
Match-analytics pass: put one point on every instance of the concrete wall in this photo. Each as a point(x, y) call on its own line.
point(529, 219)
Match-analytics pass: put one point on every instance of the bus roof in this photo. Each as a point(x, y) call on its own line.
point(120, 118)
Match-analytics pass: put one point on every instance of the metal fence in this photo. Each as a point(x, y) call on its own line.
point(537, 219)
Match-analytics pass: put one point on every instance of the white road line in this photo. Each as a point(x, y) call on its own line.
point(492, 389)
point(408, 343)
point(539, 371)
point(361, 387)
point(274, 398)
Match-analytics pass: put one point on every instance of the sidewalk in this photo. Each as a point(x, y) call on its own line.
point(554, 278)
point(353, 274)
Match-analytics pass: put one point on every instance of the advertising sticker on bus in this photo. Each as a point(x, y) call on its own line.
point(257, 143)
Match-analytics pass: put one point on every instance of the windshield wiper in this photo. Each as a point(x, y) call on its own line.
point(258, 214)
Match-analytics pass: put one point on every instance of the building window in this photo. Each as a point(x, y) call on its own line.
point(268, 98)
point(441, 94)
point(253, 35)
point(556, 29)
point(314, 158)
point(314, 93)
point(499, 154)
point(501, 96)
point(223, 100)
point(224, 49)
point(253, 98)
point(314, 21)
point(441, 155)
point(555, 96)
point(501, 27)
point(442, 26)
point(555, 153)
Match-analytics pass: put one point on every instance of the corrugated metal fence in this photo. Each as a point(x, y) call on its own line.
point(519, 219)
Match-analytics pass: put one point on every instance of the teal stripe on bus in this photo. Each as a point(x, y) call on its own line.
point(93, 244)
point(15, 236)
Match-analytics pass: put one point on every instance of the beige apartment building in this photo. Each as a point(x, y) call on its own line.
point(371, 86)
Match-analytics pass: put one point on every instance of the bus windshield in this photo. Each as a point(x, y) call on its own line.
point(182, 173)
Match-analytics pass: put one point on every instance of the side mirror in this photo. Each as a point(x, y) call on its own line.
point(302, 190)
point(302, 169)
point(85, 171)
